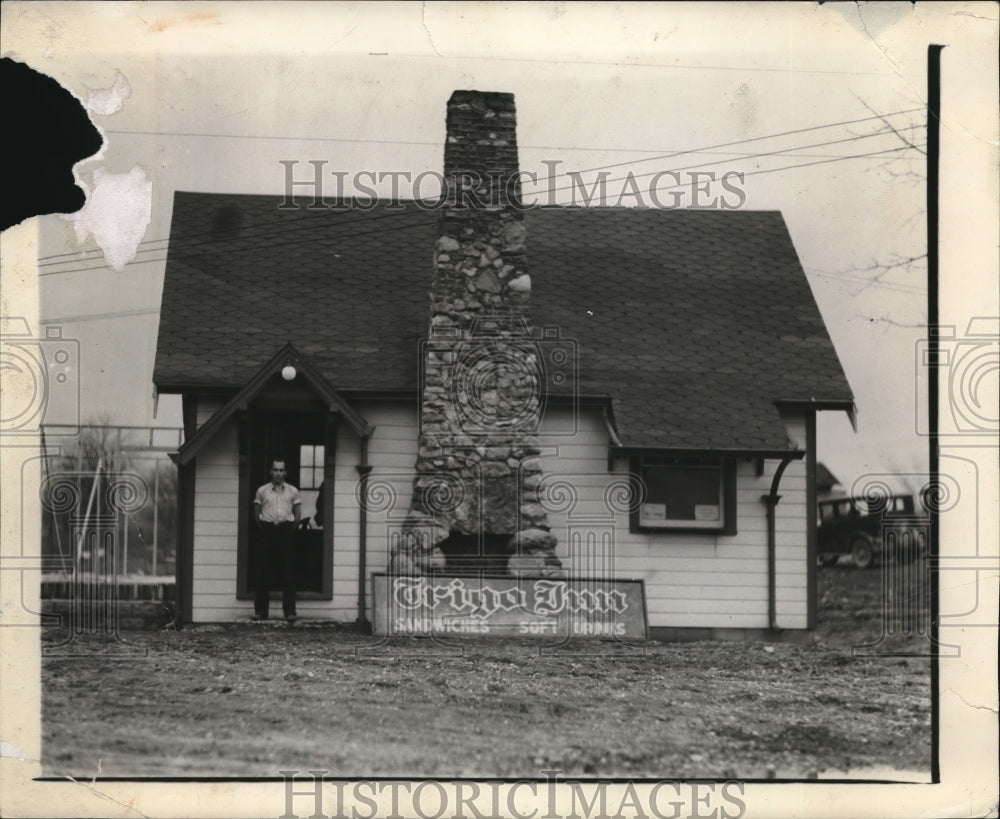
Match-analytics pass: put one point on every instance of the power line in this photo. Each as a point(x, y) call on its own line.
point(104, 266)
point(278, 230)
point(827, 161)
point(708, 149)
point(205, 254)
point(276, 138)
point(99, 316)
point(769, 136)
point(870, 283)
point(750, 156)
point(626, 64)
point(294, 239)
point(437, 143)
point(291, 235)
point(348, 224)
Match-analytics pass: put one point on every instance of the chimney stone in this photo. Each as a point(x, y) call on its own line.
point(481, 387)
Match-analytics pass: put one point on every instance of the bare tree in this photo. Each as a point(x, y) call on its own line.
point(99, 441)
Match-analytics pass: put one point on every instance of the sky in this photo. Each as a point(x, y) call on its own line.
point(821, 108)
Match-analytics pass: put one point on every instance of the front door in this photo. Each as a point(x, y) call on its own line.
point(300, 439)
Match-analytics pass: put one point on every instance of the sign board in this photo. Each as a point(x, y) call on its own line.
point(502, 606)
point(654, 511)
point(706, 511)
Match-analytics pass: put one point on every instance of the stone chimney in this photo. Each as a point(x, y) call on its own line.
point(481, 383)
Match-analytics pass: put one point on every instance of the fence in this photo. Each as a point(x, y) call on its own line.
point(109, 503)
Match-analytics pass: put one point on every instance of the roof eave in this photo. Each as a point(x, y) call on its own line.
point(819, 404)
point(750, 452)
point(287, 355)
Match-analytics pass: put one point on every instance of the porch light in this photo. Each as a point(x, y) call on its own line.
point(288, 372)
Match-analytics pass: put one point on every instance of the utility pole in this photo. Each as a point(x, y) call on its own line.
point(934, 352)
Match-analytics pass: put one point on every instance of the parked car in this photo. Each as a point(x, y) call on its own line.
point(855, 527)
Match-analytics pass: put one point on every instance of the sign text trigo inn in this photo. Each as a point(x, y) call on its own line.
point(509, 606)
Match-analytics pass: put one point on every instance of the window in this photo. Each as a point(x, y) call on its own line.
point(685, 495)
point(310, 466)
point(847, 509)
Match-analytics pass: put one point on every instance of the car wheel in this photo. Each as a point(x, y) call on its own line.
point(862, 552)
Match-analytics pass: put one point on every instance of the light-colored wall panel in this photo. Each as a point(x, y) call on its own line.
point(692, 580)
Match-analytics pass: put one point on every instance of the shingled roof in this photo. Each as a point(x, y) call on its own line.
point(825, 479)
point(693, 323)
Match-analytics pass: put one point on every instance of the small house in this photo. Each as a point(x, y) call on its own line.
point(826, 483)
point(488, 387)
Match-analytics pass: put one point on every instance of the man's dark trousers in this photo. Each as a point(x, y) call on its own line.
point(277, 548)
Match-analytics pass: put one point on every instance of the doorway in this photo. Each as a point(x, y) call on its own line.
point(300, 439)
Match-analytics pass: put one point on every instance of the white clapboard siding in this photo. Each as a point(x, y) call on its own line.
point(392, 454)
point(216, 512)
point(207, 407)
point(215, 571)
point(792, 520)
point(692, 580)
point(346, 515)
point(213, 552)
point(221, 471)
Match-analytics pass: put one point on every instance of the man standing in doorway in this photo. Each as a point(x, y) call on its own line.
point(276, 508)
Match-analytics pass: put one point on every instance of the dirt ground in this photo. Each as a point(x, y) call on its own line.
point(253, 699)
